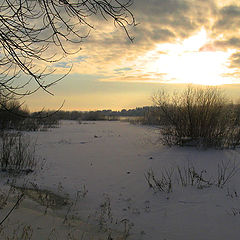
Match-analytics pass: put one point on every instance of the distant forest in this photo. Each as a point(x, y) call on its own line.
point(14, 116)
point(99, 114)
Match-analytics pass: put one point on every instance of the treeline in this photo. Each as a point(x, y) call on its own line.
point(98, 115)
point(14, 116)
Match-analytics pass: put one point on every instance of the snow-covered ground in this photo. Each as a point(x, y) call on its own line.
point(106, 162)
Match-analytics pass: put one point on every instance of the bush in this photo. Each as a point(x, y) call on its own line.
point(92, 116)
point(198, 117)
point(17, 154)
point(151, 116)
point(12, 114)
point(42, 121)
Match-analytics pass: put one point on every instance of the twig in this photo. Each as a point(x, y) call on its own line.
point(15, 205)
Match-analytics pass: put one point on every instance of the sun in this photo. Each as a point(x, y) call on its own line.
point(205, 68)
point(193, 60)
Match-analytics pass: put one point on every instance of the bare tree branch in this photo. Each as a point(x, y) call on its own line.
point(30, 30)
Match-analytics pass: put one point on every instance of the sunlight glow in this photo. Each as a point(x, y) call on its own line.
point(193, 60)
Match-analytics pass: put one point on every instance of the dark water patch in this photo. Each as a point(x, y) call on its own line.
point(44, 197)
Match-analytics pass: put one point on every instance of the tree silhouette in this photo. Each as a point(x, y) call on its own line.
point(32, 33)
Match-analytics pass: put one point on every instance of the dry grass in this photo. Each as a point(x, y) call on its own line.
point(17, 153)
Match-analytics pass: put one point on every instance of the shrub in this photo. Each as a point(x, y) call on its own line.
point(92, 116)
point(42, 120)
point(199, 117)
point(151, 116)
point(14, 116)
point(11, 114)
point(17, 154)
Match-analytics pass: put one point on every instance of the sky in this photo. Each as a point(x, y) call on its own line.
point(176, 43)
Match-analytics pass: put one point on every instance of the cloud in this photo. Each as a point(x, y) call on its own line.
point(120, 70)
point(221, 45)
point(147, 77)
point(109, 52)
point(226, 34)
point(235, 60)
point(232, 42)
point(228, 18)
point(160, 21)
point(62, 65)
point(80, 58)
point(209, 47)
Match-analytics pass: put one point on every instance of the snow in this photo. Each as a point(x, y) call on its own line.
point(110, 160)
